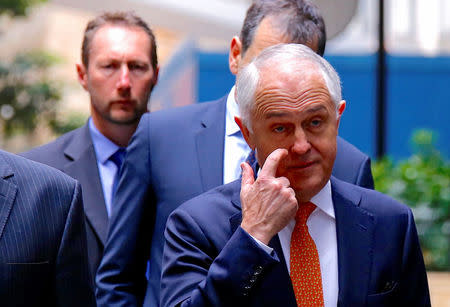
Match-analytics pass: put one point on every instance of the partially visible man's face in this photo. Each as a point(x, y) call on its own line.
point(267, 34)
point(119, 76)
point(293, 110)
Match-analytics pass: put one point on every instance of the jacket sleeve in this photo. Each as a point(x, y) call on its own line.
point(365, 178)
point(194, 275)
point(121, 276)
point(72, 275)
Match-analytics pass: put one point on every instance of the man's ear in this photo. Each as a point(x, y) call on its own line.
point(340, 110)
point(234, 58)
point(82, 75)
point(245, 132)
point(156, 75)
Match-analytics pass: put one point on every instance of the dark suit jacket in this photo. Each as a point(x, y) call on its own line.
point(74, 154)
point(209, 260)
point(175, 154)
point(42, 237)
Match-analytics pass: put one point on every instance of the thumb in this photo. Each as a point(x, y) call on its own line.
point(247, 174)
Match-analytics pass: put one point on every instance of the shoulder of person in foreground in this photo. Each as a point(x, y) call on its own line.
point(352, 165)
point(51, 202)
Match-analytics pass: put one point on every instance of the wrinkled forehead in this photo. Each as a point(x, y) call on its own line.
point(290, 87)
point(290, 76)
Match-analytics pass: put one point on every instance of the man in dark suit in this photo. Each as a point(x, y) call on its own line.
point(180, 153)
point(119, 69)
point(43, 255)
point(286, 234)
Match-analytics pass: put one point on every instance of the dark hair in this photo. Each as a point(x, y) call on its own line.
point(300, 19)
point(128, 19)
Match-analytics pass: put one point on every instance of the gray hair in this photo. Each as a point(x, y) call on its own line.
point(300, 20)
point(248, 79)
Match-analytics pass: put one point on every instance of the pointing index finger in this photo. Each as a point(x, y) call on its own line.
point(269, 169)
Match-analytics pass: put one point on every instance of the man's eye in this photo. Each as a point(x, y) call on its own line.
point(108, 66)
point(316, 122)
point(279, 129)
point(136, 67)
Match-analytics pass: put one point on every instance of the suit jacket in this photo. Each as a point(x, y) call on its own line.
point(42, 237)
point(209, 260)
point(74, 154)
point(174, 155)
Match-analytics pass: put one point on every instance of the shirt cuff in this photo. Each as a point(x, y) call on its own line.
point(267, 249)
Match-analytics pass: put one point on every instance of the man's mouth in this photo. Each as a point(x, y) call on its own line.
point(301, 165)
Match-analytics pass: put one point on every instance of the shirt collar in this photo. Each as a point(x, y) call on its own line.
point(324, 201)
point(232, 110)
point(103, 147)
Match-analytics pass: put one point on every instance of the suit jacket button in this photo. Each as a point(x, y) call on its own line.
point(258, 270)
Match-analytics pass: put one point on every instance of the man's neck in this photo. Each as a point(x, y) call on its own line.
point(118, 134)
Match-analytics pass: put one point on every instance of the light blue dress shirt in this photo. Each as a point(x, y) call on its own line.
point(104, 148)
point(236, 149)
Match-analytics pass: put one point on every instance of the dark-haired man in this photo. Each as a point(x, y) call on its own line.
point(118, 69)
point(180, 153)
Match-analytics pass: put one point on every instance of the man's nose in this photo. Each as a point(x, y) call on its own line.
point(301, 143)
point(124, 78)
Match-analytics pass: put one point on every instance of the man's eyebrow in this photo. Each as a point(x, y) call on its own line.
point(316, 109)
point(278, 114)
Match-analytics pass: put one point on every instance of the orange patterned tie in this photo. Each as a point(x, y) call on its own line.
point(304, 261)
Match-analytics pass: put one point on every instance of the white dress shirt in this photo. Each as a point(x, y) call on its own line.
point(322, 228)
point(107, 169)
point(236, 149)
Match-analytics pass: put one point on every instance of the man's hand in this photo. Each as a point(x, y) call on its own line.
point(268, 204)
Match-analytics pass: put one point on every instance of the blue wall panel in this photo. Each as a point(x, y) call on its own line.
point(358, 90)
point(215, 79)
point(418, 97)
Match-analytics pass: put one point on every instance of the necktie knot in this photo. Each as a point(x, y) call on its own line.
point(117, 157)
point(303, 212)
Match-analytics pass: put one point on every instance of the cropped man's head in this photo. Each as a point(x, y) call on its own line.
point(270, 22)
point(118, 18)
point(118, 68)
point(290, 97)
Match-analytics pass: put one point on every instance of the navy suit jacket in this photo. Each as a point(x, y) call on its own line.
point(174, 155)
point(209, 260)
point(42, 237)
point(74, 154)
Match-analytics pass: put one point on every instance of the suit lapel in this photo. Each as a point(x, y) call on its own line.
point(277, 281)
point(83, 167)
point(210, 145)
point(8, 191)
point(354, 228)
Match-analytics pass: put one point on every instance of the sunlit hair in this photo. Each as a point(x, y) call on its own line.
point(127, 19)
point(248, 79)
point(299, 20)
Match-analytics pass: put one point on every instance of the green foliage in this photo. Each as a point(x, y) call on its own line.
point(17, 7)
point(27, 95)
point(71, 122)
point(423, 182)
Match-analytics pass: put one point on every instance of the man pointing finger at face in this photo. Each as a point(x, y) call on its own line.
point(294, 235)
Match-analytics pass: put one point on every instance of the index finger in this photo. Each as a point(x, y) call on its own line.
point(269, 169)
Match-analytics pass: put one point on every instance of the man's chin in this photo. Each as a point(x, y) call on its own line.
point(124, 120)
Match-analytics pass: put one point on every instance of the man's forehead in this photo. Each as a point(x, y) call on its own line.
point(289, 75)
